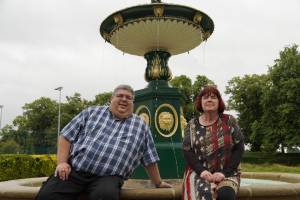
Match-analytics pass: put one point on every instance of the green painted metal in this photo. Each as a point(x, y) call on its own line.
point(143, 12)
point(154, 100)
point(157, 66)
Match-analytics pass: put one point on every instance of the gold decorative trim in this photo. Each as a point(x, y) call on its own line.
point(197, 18)
point(156, 67)
point(158, 11)
point(183, 122)
point(206, 35)
point(163, 127)
point(145, 116)
point(164, 18)
point(136, 36)
point(118, 19)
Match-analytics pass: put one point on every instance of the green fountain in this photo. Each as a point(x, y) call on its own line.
point(157, 31)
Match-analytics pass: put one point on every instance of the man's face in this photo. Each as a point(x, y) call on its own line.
point(121, 104)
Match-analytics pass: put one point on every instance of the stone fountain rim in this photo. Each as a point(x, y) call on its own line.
point(19, 188)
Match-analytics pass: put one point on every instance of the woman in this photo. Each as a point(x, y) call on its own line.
point(213, 146)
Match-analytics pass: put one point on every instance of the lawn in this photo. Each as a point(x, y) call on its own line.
point(270, 168)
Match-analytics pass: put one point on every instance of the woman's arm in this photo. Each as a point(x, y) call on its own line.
point(237, 149)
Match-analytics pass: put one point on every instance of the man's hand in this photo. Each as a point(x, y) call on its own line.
point(62, 171)
point(218, 177)
point(206, 175)
point(163, 184)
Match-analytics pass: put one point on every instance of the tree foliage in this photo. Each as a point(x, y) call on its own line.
point(9, 146)
point(74, 105)
point(281, 101)
point(246, 94)
point(37, 122)
point(268, 105)
point(102, 98)
point(35, 131)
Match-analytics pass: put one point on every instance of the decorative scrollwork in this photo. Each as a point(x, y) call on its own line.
point(197, 18)
point(118, 19)
point(158, 11)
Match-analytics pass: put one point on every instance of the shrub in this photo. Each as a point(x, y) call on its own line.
point(25, 166)
point(275, 158)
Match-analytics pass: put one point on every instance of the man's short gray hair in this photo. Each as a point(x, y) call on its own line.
point(123, 87)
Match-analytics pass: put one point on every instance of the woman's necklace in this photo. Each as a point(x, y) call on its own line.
point(203, 122)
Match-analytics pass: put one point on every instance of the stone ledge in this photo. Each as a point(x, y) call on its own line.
point(26, 189)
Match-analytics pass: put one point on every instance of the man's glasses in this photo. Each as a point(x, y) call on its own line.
point(122, 96)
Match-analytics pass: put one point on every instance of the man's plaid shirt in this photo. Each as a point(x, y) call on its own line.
point(104, 145)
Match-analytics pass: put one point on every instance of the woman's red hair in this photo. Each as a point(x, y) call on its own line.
point(209, 90)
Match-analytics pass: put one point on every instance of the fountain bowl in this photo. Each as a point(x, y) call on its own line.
point(135, 189)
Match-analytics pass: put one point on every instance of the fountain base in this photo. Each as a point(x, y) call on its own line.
point(134, 189)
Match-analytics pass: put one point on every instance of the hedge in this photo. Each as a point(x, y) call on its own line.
point(25, 166)
point(289, 159)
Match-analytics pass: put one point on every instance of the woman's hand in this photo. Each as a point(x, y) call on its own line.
point(218, 177)
point(207, 176)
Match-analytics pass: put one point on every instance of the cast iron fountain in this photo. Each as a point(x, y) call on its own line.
point(157, 31)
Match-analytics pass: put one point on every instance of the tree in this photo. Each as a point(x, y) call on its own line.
point(102, 98)
point(200, 82)
point(20, 136)
point(38, 121)
point(184, 84)
point(246, 94)
point(7, 132)
point(268, 105)
point(9, 146)
point(190, 91)
point(281, 101)
point(74, 105)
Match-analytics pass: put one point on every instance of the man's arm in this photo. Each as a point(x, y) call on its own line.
point(63, 168)
point(153, 172)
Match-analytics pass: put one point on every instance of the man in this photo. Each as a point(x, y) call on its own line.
point(99, 149)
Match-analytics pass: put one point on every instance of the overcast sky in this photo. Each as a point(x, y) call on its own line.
point(45, 44)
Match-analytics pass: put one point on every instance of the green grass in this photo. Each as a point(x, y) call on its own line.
point(270, 168)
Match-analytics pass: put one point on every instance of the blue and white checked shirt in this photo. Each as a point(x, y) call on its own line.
point(104, 145)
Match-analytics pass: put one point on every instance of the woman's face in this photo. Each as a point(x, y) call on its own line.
point(210, 102)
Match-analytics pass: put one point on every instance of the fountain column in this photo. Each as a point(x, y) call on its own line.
point(158, 31)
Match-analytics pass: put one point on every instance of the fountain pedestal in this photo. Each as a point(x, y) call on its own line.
point(157, 31)
point(160, 106)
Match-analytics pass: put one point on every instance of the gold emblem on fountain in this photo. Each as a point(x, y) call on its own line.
point(145, 117)
point(144, 112)
point(166, 121)
point(158, 11)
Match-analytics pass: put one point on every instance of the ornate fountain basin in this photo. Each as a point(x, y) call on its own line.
point(26, 189)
